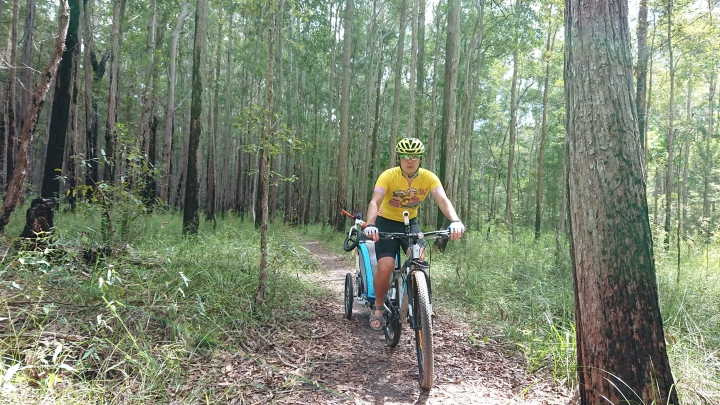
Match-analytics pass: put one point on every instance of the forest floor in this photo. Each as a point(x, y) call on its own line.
point(331, 360)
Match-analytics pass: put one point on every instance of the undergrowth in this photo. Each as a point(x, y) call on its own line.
point(87, 320)
point(85, 317)
point(520, 290)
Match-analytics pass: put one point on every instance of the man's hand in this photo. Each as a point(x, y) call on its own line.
point(457, 229)
point(371, 232)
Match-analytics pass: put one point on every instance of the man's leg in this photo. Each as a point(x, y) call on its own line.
point(381, 282)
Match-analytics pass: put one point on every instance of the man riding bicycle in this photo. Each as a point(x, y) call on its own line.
point(402, 188)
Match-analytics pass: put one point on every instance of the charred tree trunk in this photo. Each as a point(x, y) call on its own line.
point(39, 218)
point(15, 188)
point(61, 108)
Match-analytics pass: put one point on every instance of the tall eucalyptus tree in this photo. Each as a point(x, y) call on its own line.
point(110, 135)
point(549, 44)
point(671, 124)
point(398, 82)
point(268, 132)
point(642, 67)
point(26, 56)
point(452, 56)
point(12, 113)
point(166, 157)
point(409, 130)
point(621, 352)
point(420, 103)
point(343, 150)
point(192, 188)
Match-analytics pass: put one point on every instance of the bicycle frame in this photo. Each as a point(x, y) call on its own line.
point(404, 274)
point(409, 295)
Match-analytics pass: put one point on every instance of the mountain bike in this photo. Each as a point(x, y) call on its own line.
point(409, 297)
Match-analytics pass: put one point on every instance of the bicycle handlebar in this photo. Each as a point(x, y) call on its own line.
point(419, 235)
point(353, 237)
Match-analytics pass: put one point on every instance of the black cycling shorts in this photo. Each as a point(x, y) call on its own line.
point(389, 247)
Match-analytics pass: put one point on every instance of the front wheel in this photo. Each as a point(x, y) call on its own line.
point(349, 295)
point(423, 333)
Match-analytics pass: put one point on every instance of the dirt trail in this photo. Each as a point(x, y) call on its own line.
point(332, 360)
point(366, 369)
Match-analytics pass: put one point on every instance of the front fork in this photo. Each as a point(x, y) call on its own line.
point(408, 305)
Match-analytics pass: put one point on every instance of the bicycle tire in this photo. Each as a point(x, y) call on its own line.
point(423, 334)
point(393, 327)
point(349, 295)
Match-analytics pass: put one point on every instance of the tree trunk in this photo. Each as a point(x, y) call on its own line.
point(276, 160)
point(366, 146)
point(15, 187)
point(109, 170)
point(376, 124)
point(420, 103)
point(708, 161)
point(55, 152)
point(621, 353)
point(28, 43)
point(147, 98)
point(344, 148)
point(467, 109)
point(326, 192)
point(642, 62)
point(166, 159)
point(227, 182)
point(513, 134)
point(410, 131)
point(91, 172)
point(12, 113)
point(210, 194)
point(192, 183)
point(432, 151)
point(267, 135)
point(398, 83)
point(552, 31)
point(671, 131)
point(452, 56)
point(73, 144)
point(686, 163)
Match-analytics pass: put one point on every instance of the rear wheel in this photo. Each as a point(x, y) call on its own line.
point(349, 295)
point(423, 334)
point(393, 328)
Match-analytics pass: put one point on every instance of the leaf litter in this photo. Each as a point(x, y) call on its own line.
point(331, 360)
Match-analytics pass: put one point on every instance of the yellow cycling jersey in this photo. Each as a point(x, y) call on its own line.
point(400, 197)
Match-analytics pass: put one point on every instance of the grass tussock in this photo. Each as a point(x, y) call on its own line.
point(86, 320)
point(521, 289)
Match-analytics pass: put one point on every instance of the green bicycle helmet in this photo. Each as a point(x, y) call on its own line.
point(410, 146)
